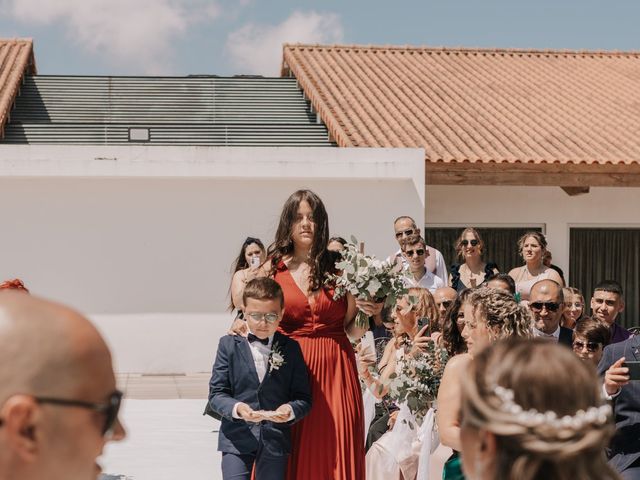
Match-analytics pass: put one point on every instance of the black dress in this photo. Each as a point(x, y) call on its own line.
point(456, 281)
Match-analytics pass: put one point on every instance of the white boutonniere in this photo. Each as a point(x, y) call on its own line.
point(276, 359)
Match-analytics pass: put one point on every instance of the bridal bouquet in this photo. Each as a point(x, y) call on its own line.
point(367, 278)
point(418, 380)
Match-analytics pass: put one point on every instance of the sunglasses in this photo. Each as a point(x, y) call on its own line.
point(591, 346)
point(550, 306)
point(410, 253)
point(474, 243)
point(110, 409)
point(445, 304)
point(406, 233)
point(268, 317)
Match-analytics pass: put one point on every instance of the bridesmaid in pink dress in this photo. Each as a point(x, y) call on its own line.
point(329, 442)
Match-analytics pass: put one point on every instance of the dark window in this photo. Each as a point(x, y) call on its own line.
point(501, 244)
point(597, 254)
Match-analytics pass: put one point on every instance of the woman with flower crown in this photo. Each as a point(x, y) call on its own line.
point(520, 421)
point(490, 315)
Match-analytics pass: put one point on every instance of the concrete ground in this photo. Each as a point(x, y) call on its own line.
point(168, 438)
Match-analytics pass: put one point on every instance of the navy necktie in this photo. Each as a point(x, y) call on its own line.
point(252, 338)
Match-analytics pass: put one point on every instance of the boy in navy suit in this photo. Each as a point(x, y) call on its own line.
point(259, 386)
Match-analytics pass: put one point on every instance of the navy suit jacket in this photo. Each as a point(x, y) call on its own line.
point(625, 446)
point(566, 337)
point(234, 379)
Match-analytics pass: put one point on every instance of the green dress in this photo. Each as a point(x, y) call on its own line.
point(453, 468)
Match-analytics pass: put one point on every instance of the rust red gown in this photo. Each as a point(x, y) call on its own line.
point(329, 442)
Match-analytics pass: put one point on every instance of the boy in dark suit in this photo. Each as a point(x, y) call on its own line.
point(259, 386)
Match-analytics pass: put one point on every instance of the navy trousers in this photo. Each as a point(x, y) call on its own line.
point(238, 467)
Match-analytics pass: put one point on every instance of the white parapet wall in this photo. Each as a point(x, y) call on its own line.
point(142, 238)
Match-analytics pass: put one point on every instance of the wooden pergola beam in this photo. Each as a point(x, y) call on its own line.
point(532, 174)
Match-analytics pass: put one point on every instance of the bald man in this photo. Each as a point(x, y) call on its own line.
point(444, 296)
point(546, 302)
point(58, 398)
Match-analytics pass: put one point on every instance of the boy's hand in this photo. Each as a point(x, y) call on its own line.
point(247, 413)
point(239, 327)
point(283, 412)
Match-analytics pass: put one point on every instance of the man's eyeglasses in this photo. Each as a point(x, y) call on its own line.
point(110, 409)
point(591, 346)
point(550, 306)
point(474, 242)
point(410, 253)
point(445, 304)
point(406, 233)
point(268, 317)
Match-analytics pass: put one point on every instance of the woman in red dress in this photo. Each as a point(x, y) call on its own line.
point(328, 443)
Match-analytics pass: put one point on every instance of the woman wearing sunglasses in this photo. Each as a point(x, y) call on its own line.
point(473, 271)
point(589, 339)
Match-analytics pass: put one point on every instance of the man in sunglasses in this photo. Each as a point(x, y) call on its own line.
point(444, 297)
point(405, 227)
point(546, 303)
point(414, 251)
point(606, 304)
point(58, 398)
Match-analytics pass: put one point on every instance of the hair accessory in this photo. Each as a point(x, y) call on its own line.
point(533, 418)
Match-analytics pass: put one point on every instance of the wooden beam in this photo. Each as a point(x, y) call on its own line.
point(532, 174)
point(575, 191)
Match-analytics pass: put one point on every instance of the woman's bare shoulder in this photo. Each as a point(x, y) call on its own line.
point(458, 363)
point(514, 271)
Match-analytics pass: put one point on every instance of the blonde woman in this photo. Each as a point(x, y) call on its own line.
point(473, 271)
point(490, 315)
point(573, 307)
point(532, 247)
point(521, 422)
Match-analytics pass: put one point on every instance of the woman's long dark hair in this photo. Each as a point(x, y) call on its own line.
point(322, 260)
point(240, 263)
point(452, 337)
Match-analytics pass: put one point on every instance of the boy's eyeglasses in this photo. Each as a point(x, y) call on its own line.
point(474, 243)
point(591, 346)
point(410, 253)
point(268, 317)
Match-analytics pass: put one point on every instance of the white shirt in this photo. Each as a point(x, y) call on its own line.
point(428, 281)
point(441, 267)
point(260, 353)
point(555, 336)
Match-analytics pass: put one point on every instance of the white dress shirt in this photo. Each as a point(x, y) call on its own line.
point(555, 336)
point(260, 353)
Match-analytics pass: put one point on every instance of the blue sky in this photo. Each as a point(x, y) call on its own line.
point(180, 37)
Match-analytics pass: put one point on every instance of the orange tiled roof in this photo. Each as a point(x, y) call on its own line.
point(16, 59)
point(476, 105)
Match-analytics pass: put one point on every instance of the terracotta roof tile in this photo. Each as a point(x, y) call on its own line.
point(476, 105)
point(16, 59)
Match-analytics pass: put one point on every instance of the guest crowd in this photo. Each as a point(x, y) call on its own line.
point(534, 383)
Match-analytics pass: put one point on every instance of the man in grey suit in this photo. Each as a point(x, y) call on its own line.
point(624, 451)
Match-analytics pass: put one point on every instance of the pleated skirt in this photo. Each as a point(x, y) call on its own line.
point(329, 442)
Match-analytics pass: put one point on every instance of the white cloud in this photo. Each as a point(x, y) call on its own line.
point(137, 34)
point(257, 49)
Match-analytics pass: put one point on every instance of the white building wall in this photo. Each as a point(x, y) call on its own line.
point(142, 239)
point(550, 207)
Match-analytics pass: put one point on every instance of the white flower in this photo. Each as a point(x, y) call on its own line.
point(373, 287)
point(276, 359)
